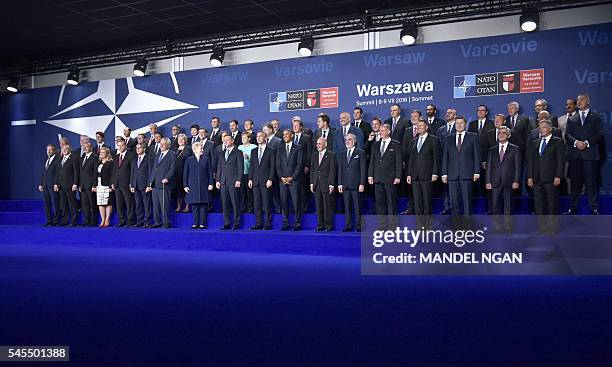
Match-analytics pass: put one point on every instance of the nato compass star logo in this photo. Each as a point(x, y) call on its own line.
point(137, 101)
point(463, 86)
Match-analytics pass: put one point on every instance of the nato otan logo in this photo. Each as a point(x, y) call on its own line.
point(137, 101)
point(507, 82)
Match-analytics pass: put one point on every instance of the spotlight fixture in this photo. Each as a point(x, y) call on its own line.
point(409, 33)
point(530, 19)
point(73, 76)
point(13, 84)
point(141, 67)
point(306, 46)
point(216, 59)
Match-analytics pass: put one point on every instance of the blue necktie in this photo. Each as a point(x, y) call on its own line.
point(542, 146)
point(420, 144)
point(161, 156)
point(582, 118)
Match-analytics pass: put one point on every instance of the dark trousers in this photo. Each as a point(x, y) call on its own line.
point(501, 195)
point(325, 210)
point(89, 207)
point(230, 198)
point(52, 205)
point(68, 206)
point(161, 205)
point(291, 193)
point(261, 202)
point(143, 206)
point(199, 212)
point(584, 173)
point(546, 203)
point(305, 180)
point(246, 195)
point(422, 192)
point(125, 205)
point(353, 197)
point(276, 197)
point(385, 195)
point(409, 195)
point(461, 192)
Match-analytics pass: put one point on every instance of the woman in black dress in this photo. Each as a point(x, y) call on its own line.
point(103, 189)
point(183, 151)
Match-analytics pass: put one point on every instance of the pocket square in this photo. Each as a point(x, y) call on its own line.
point(355, 157)
point(391, 150)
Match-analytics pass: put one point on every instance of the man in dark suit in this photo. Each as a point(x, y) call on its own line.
point(410, 135)
point(534, 134)
point(80, 151)
point(248, 127)
point(541, 105)
point(289, 171)
point(176, 130)
point(385, 172)
point(358, 122)
point(154, 149)
point(488, 140)
point(230, 168)
point(215, 131)
point(276, 127)
point(130, 142)
point(397, 123)
point(482, 123)
point(460, 167)
point(261, 179)
point(435, 123)
point(142, 165)
point(88, 179)
point(545, 168)
point(151, 140)
point(373, 137)
point(67, 183)
point(423, 169)
point(123, 195)
point(518, 125)
point(99, 142)
point(352, 177)
point(235, 133)
point(322, 180)
point(273, 143)
point(323, 130)
point(584, 137)
point(161, 183)
point(194, 131)
point(345, 129)
point(504, 165)
point(48, 179)
point(304, 140)
point(208, 147)
point(443, 132)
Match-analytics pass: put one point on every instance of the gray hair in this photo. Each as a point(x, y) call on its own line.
point(515, 104)
point(544, 102)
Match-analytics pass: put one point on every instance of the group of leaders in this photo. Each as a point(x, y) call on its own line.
point(274, 169)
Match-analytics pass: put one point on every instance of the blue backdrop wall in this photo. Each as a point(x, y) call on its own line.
point(554, 64)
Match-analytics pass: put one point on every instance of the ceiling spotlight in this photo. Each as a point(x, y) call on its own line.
point(306, 46)
point(409, 33)
point(216, 59)
point(13, 84)
point(141, 67)
point(530, 19)
point(73, 76)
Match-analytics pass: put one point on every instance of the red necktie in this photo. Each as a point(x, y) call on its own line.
point(459, 142)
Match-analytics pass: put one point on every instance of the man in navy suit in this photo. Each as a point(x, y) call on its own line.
point(261, 179)
point(345, 129)
point(161, 183)
point(230, 168)
point(461, 167)
point(48, 178)
point(352, 178)
point(397, 123)
point(289, 171)
point(88, 179)
point(142, 165)
point(422, 170)
point(504, 166)
point(584, 138)
point(444, 131)
point(541, 105)
point(482, 123)
point(365, 128)
point(67, 183)
point(123, 195)
point(435, 123)
point(545, 167)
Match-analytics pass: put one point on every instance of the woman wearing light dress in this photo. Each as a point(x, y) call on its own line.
point(103, 189)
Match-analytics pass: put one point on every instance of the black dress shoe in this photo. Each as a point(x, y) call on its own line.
point(319, 229)
point(203, 226)
point(146, 225)
point(445, 212)
point(236, 226)
point(62, 224)
point(285, 227)
point(329, 229)
point(156, 226)
point(167, 225)
point(267, 227)
point(407, 212)
point(138, 225)
point(346, 229)
point(225, 227)
point(297, 227)
point(195, 226)
point(570, 212)
point(47, 224)
point(595, 212)
point(256, 228)
point(120, 225)
point(72, 225)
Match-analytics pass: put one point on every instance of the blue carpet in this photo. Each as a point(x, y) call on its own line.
point(142, 307)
